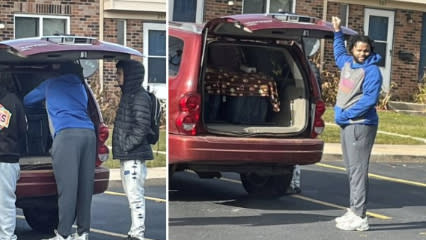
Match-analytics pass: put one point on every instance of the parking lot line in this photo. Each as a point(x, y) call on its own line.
point(147, 198)
point(94, 230)
point(371, 214)
point(377, 176)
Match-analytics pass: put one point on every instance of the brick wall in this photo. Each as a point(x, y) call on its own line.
point(312, 8)
point(407, 37)
point(84, 14)
point(134, 39)
point(219, 8)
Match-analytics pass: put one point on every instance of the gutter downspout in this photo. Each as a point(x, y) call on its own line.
point(324, 17)
point(101, 37)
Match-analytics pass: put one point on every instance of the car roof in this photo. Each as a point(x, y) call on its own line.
point(61, 48)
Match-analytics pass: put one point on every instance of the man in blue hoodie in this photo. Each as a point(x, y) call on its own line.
point(73, 148)
point(355, 112)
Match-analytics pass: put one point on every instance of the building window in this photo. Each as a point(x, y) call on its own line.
point(155, 57)
point(175, 55)
point(121, 32)
point(344, 14)
point(37, 26)
point(186, 10)
point(268, 6)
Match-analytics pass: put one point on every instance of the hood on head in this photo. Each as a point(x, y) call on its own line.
point(133, 72)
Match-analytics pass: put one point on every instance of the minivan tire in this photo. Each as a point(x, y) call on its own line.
point(266, 186)
point(43, 220)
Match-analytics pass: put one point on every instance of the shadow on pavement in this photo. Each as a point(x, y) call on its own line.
point(267, 219)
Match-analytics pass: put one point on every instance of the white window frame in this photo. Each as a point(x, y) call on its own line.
point(40, 25)
point(124, 31)
point(160, 89)
point(268, 4)
point(198, 14)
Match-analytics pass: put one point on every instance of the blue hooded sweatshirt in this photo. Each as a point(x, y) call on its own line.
point(66, 101)
point(359, 86)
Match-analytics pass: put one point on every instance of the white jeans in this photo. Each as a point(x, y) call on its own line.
point(133, 175)
point(295, 181)
point(9, 175)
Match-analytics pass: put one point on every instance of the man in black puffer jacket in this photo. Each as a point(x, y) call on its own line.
point(13, 127)
point(129, 140)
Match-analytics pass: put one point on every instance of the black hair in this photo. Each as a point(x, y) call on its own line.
point(360, 38)
point(71, 67)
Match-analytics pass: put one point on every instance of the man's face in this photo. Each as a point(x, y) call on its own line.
point(361, 51)
point(120, 76)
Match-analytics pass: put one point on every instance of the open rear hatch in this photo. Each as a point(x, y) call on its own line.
point(255, 79)
point(61, 48)
point(27, 62)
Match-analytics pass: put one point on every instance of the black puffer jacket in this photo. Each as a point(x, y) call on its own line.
point(133, 121)
point(11, 112)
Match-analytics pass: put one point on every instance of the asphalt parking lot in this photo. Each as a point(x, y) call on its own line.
point(212, 209)
point(111, 214)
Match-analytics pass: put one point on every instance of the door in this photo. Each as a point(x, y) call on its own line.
point(422, 64)
point(379, 25)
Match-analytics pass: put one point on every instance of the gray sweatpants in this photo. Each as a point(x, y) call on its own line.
point(357, 142)
point(74, 156)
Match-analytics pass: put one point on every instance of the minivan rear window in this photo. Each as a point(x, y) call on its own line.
point(175, 54)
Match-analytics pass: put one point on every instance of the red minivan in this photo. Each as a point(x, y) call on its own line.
point(24, 64)
point(243, 98)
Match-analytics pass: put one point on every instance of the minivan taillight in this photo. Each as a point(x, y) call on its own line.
point(103, 150)
point(189, 114)
point(318, 121)
point(103, 133)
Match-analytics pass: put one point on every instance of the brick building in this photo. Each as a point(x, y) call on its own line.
point(397, 26)
point(138, 24)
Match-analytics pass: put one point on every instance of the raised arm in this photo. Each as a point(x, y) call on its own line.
point(340, 54)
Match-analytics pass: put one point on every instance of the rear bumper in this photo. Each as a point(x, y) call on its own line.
point(41, 183)
point(233, 150)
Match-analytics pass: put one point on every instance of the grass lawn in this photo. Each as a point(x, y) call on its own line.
point(158, 149)
point(389, 121)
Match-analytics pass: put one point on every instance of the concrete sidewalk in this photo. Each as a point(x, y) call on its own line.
point(382, 152)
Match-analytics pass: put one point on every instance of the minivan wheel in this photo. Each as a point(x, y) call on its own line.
point(43, 220)
point(266, 186)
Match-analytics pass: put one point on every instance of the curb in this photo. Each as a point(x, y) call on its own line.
point(381, 153)
point(329, 157)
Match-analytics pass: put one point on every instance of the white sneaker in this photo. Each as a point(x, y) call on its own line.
point(84, 236)
point(58, 237)
point(349, 214)
point(354, 223)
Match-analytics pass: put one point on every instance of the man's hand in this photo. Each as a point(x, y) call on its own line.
point(336, 23)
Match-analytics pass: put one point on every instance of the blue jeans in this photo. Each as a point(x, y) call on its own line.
point(133, 175)
point(9, 175)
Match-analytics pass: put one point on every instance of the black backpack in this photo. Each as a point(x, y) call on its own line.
point(156, 111)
